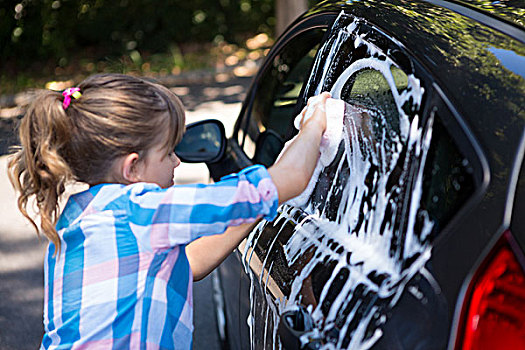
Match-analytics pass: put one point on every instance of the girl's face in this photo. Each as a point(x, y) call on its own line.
point(158, 167)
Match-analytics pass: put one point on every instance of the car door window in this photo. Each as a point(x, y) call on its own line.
point(276, 96)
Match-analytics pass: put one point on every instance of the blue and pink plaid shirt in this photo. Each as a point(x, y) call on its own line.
point(122, 278)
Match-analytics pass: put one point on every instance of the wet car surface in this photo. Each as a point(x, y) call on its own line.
point(420, 210)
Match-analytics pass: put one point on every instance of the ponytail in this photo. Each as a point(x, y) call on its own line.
point(37, 168)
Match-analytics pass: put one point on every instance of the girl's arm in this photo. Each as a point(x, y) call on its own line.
point(208, 252)
point(290, 174)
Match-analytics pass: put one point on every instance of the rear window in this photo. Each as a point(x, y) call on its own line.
point(448, 179)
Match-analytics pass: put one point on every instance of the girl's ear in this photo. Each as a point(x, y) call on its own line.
point(129, 169)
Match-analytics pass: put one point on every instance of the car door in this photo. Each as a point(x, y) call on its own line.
point(334, 270)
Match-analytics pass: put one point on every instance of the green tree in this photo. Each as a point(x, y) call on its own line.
point(42, 30)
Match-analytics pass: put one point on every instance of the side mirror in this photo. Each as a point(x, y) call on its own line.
point(203, 142)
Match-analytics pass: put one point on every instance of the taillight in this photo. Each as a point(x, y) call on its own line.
point(493, 315)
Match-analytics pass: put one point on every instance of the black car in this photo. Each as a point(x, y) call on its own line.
point(413, 237)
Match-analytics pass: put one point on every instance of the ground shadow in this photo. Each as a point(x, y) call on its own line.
point(21, 292)
point(8, 134)
point(21, 308)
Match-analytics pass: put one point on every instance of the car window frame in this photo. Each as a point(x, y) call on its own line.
point(302, 25)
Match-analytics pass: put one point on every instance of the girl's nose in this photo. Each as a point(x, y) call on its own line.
point(175, 159)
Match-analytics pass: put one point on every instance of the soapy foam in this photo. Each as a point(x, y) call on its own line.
point(367, 229)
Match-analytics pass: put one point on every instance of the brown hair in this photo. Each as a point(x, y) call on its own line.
point(116, 115)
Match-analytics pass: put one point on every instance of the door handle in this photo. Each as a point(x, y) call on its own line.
point(293, 328)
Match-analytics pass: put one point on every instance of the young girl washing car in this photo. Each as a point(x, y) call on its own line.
point(119, 266)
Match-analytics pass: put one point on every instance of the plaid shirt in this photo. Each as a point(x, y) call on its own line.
point(122, 278)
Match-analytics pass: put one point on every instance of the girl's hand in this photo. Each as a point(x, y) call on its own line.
point(315, 112)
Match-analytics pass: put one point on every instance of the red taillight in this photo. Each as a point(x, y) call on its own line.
point(493, 315)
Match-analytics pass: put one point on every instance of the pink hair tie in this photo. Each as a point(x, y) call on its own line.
point(75, 92)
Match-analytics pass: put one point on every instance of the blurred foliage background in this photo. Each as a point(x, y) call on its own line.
point(61, 38)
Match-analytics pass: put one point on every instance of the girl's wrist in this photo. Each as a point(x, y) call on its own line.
point(314, 124)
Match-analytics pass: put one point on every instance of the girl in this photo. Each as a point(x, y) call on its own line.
point(118, 269)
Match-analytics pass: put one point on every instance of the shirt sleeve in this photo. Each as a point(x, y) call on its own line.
point(164, 218)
